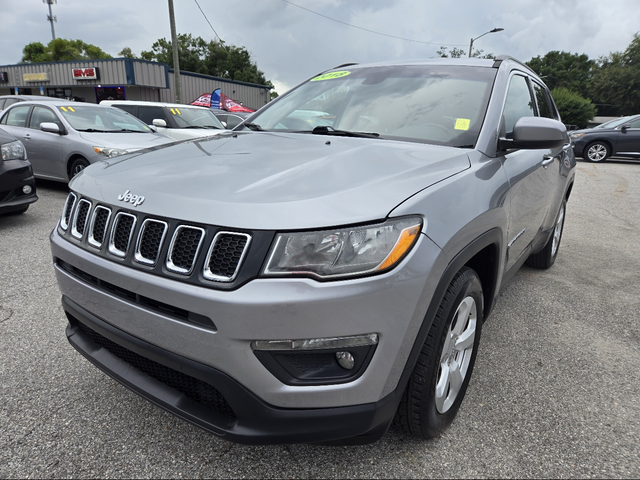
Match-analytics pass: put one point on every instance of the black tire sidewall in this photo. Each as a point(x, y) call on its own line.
point(437, 422)
point(76, 162)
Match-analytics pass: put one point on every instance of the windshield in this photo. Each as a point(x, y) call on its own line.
point(444, 105)
point(613, 123)
point(195, 118)
point(86, 118)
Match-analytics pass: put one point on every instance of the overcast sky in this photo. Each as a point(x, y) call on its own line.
point(290, 44)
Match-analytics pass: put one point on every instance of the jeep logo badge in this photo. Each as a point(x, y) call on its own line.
point(135, 200)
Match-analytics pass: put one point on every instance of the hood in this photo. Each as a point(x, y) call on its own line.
point(185, 133)
point(260, 180)
point(126, 140)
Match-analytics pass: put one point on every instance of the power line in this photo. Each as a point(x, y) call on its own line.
point(205, 17)
point(373, 31)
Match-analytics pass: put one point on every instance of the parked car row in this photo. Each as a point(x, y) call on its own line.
point(61, 138)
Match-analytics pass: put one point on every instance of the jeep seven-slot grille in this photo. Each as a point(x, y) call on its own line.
point(98, 226)
point(193, 388)
point(66, 213)
point(184, 248)
point(121, 234)
point(163, 247)
point(225, 256)
point(80, 219)
point(150, 241)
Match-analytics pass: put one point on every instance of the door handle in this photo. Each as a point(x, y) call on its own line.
point(566, 146)
point(547, 160)
point(27, 136)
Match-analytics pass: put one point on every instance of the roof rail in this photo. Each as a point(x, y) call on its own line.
point(500, 58)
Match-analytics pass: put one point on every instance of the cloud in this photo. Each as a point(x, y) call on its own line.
point(291, 44)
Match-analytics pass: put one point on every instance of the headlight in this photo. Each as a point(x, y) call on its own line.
point(14, 151)
point(343, 252)
point(576, 135)
point(109, 152)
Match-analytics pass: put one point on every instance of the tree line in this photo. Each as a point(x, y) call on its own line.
point(581, 87)
point(215, 58)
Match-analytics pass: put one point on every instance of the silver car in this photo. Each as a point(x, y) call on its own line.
point(178, 121)
point(299, 280)
point(62, 137)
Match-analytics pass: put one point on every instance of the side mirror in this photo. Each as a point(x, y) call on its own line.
point(535, 133)
point(624, 128)
point(50, 127)
point(158, 122)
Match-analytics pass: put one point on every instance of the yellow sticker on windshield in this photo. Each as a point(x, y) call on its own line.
point(331, 75)
point(178, 112)
point(63, 109)
point(462, 124)
point(71, 108)
point(172, 111)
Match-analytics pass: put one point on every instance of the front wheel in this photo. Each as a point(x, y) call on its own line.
point(77, 166)
point(547, 256)
point(597, 152)
point(443, 370)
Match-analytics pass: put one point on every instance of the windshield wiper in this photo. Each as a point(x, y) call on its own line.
point(94, 130)
point(126, 130)
point(253, 126)
point(324, 130)
point(201, 126)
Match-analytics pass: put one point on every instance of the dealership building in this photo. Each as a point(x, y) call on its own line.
point(121, 79)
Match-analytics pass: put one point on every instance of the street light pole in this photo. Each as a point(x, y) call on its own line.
point(176, 61)
point(474, 39)
point(51, 17)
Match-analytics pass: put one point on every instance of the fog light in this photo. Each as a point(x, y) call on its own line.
point(346, 360)
point(27, 189)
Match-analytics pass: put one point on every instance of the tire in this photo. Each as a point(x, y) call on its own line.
point(429, 403)
point(77, 166)
point(597, 152)
point(547, 256)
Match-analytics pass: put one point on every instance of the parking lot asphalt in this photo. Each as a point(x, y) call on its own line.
point(555, 391)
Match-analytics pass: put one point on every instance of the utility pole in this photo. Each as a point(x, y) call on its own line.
point(51, 18)
point(176, 62)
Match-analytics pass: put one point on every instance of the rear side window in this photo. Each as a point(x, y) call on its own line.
point(518, 104)
point(127, 108)
point(17, 116)
point(545, 107)
point(10, 101)
point(149, 114)
point(233, 121)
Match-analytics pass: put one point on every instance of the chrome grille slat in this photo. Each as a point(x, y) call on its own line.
point(121, 233)
point(66, 211)
point(150, 241)
point(225, 256)
point(80, 218)
point(184, 249)
point(98, 226)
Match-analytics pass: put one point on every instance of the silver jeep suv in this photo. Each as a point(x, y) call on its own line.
point(327, 267)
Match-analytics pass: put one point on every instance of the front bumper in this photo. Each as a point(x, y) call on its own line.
point(266, 410)
point(212, 400)
point(14, 175)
